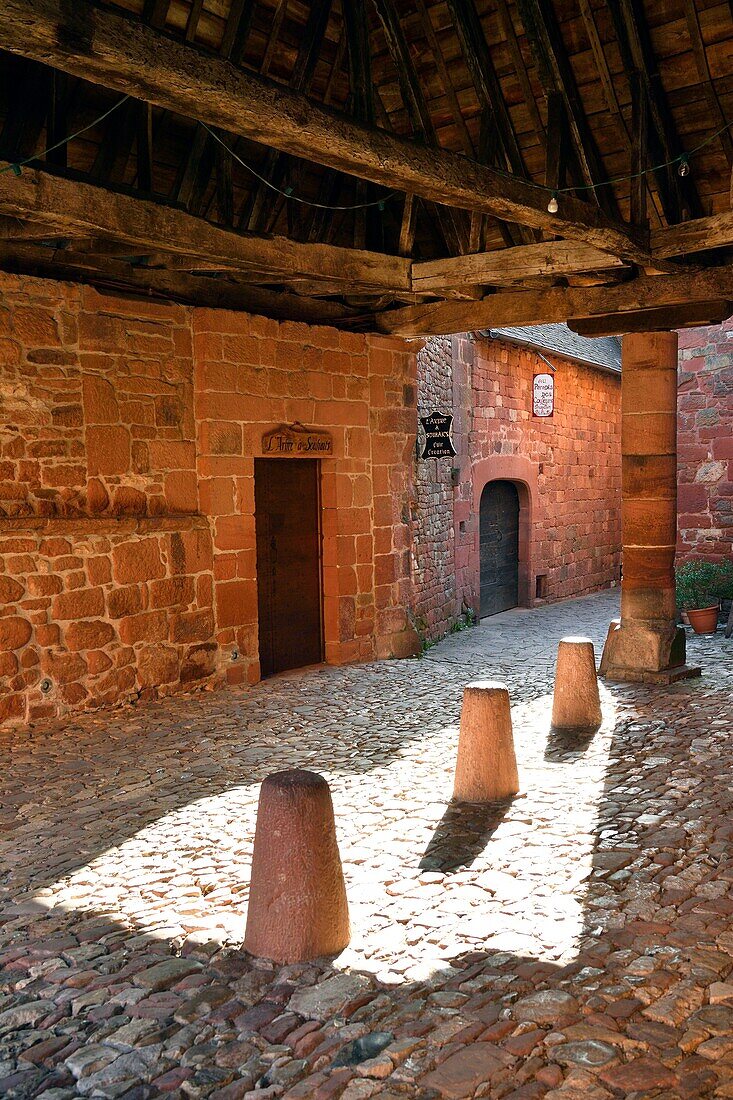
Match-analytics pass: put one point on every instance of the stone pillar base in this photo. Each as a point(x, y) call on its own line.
point(645, 652)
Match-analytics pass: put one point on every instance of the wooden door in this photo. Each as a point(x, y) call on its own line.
point(499, 547)
point(287, 520)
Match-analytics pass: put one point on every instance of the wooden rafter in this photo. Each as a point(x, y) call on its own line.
point(452, 224)
point(502, 149)
point(258, 210)
point(450, 92)
point(604, 73)
point(75, 208)
point(172, 285)
point(558, 304)
point(556, 75)
point(57, 127)
point(193, 179)
point(639, 151)
point(653, 320)
point(129, 56)
point(703, 71)
point(512, 41)
point(509, 265)
point(637, 55)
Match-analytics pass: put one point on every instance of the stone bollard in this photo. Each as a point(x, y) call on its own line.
point(297, 897)
point(486, 767)
point(576, 704)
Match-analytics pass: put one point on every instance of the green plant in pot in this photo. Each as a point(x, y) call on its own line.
point(699, 585)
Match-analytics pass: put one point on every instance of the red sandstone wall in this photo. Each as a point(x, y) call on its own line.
point(570, 463)
point(568, 468)
point(705, 442)
point(128, 432)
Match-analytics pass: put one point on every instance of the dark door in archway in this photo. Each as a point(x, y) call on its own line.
point(287, 522)
point(499, 547)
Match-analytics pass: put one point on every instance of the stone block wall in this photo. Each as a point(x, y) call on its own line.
point(128, 436)
point(705, 442)
point(434, 563)
point(570, 463)
point(567, 469)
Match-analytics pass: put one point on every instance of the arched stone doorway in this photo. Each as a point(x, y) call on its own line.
point(499, 547)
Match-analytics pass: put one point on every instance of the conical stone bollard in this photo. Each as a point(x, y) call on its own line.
point(297, 899)
point(576, 704)
point(486, 767)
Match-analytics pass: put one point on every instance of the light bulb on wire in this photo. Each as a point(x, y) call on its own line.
point(552, 206)
point(683, 169)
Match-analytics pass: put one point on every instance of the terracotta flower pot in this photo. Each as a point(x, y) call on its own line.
point(703, 620)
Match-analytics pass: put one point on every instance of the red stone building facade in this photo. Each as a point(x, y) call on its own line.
point(131, 445)
point(705, 442)
point(128, 442)
point(566, 470)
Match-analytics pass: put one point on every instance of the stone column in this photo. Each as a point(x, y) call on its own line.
point(647, 645)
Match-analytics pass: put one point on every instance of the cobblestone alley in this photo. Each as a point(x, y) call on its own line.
point(576, 943)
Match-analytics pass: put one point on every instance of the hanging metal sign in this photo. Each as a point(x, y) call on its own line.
point(543, 395)
point(438, 442)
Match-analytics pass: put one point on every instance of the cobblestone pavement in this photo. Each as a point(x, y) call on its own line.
point(576, 942)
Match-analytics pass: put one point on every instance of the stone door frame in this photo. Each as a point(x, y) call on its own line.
point(522, 472)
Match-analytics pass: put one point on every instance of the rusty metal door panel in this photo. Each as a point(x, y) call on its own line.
point(287, 521)
point(499, 547)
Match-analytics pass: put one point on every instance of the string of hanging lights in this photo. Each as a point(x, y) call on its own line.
point(682, 161)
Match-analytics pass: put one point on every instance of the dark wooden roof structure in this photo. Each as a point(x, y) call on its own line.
point(382, 165)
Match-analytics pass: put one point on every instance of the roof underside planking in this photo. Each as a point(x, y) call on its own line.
point(422, 136)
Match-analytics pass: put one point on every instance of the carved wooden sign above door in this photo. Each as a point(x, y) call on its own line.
point(296, 441)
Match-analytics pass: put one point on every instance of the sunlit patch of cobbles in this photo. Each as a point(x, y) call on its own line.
point(576, 941)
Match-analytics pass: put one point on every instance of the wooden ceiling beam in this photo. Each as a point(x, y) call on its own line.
point(172, 286)
point(459, 122)
point(559, 304)
point(703, 71)
point(661, 319)
point(81, 209)
point(509, 265)
point(192, 182)
point(637, 55)
point(259, 206)
point(122, 53)
point(502, 149)
point(452, 224)
point(700, 235)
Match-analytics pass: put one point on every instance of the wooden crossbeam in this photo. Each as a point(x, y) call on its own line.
point(660, 319)
point(699, 235)
point(559, 304)
point(509, 265)
point(81, 209)
point(112, 49)
point(172, 285)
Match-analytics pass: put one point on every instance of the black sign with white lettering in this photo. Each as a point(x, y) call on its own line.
point(438, 443)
